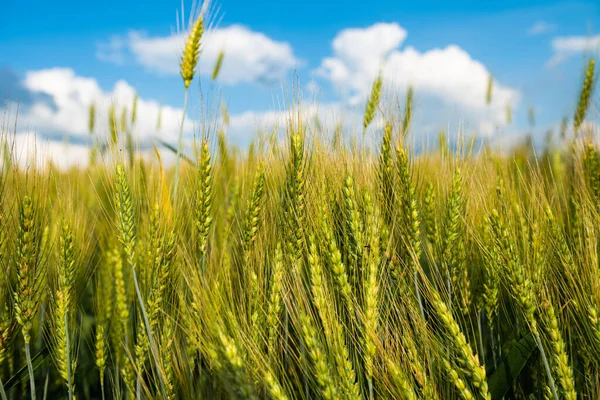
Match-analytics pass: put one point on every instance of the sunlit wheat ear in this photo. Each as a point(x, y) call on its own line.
point(385, 173)
point(410, 218)
point(591, 169)
point(323, 371)
point(468, 362)
point(519, 285)
point(189, 59)
point(408, 111)
point(401, 380)
point(585, 95)
point(334, 331)
point(134, 109)
point(231, 357)
point(429, 217)
point(204, 195)
point(452, 260)
point(123, 121)
point(63, 329)
point(26, 295)
point(112, 125)
point(371, 290)
point(337, 266)
point(127, 236)
point(218, 64)
point(353, 226)
point(5, 325)
point(273, 386)
point(101, 352)
point(92, 118)
point(373, 103)
point(460, 385)
point(275, 303)
point(558, 353)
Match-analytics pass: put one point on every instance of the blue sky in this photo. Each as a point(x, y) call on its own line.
point(534, 49)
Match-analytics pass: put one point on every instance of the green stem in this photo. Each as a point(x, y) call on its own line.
point(148, 331)
point(546, 365)
point(46, 385)
point(179, 147)
point(2, 392)
point(480, 332)
point(138, 387)
point(30, 370)
point(68, 356)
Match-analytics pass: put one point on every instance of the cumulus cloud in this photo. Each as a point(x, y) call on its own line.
point(249, 56)
point(11, 85)
point(70, 97)
point(31, 150)
point(565, 47)
point(446, 78)
point(541, 27)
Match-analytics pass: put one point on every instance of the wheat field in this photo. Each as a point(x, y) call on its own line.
point(314, 264)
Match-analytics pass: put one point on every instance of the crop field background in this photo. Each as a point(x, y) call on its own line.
point(318, 262)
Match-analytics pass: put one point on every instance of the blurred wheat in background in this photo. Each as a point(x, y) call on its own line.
point(338, 264)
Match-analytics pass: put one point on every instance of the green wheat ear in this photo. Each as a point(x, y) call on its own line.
point(218, 64)
point(584, 96)
point(488, 92)
point(373, 102)
point(407, 111)
point(92, 118)
point(112, 124)
point(189, 58)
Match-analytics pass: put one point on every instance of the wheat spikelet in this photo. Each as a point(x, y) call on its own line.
point(407, 111)
point(204, 199)
point(274, 305)
point(371, 295)
point(585, 95)
point(231, 356)
point(273, 386)
point(373, 102)
point(92, 118)
point(26, 295)
point(134, 109)
point(337, 266)
point(112, 125)
point(385, 173)
point(464, 355)
point(401, 380)
point(333, 329)
point(354, 227)
point(558, 354)
point(218, 64)
point(189, 59)
point(63, 308)
point(317, 354)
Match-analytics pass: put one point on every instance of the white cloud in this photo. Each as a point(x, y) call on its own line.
point(541, 27)
point(249, 56)
point(567, 46)
point(447, 78)
point(30, 150)
point(71, 95)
